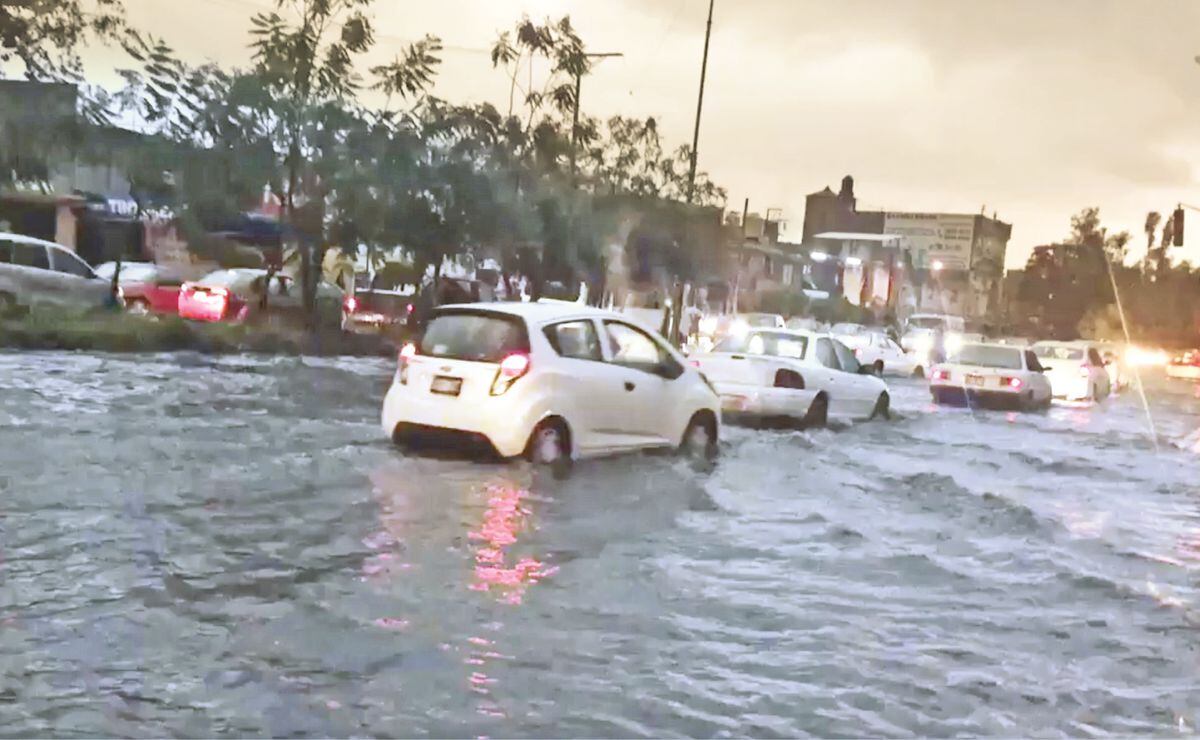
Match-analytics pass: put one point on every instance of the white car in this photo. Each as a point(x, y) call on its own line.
point(554, 382)
point(1116, 363)
point(879, 351)
point(991, 374)
point(36, 274)
point(798, 376)
point(1075, 369)
point(920, 328)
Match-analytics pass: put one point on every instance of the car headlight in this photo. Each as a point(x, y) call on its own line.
point(708, 325)
point(954, 342)
point(739, 328)
point(923, 344)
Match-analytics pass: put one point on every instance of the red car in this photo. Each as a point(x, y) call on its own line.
point(148, 288)
point(216, 297)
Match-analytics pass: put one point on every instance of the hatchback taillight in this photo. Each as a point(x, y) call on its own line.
point(407, 352)
point(351, 304)
point(512, 368)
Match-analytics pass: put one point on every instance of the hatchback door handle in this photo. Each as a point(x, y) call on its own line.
point(629, 386)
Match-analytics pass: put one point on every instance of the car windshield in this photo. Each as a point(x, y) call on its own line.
point(476, 336)
point(982, 355)
point(135, 273)
point(1058, 352)
point(772, 343)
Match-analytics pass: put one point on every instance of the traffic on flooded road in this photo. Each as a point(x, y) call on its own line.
point(204, 546)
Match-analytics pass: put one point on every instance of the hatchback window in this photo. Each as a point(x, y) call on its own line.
point(632, 347)
point(30, 255)
point(64, 261)
point(575, 339)
point(474, 336)
point(826, 354)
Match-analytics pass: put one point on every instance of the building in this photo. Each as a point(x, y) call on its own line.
point(907, 261)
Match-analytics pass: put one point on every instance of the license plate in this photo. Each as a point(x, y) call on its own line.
point(446, 386)
point(976, 380)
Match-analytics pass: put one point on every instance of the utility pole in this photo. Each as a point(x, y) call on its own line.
point(699, 106)
point(575, 122)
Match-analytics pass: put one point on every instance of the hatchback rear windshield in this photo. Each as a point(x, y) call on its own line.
point(1001, 358)
point(475, 336)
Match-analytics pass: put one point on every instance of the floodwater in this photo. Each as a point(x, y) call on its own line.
point(206, 546)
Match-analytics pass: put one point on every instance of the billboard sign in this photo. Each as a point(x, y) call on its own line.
point(930, 237)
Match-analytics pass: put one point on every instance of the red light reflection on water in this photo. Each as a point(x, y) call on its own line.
point(503, 520)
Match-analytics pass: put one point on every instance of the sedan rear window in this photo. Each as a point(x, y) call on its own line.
point(775, 344)
point(1001, 358)
point(474, 336)
point(1055, 352)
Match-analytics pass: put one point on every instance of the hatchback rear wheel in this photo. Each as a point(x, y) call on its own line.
point(550, 447)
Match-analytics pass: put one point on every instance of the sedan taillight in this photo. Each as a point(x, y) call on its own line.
point(940, 374)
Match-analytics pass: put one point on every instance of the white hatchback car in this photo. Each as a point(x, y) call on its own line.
point(1075, 369)
point(991, 374)
point(797, 376)
point(552, 381)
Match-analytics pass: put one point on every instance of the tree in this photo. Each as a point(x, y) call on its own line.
point(45, 35)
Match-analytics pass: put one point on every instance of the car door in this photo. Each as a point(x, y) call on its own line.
point(827, 369)
point(649, 406)
point(862, 390)
point(1038, 381)
point(42, 288)
point(591, 385)
point(81, 287)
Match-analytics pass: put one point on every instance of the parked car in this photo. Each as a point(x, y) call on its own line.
point(1075, 370)
point(554, 382)
point(148, 288)
point(373, 311)
point(991, 374)
point(38, 274)
point(237, 295)
point(879, 351)
point(799, 376)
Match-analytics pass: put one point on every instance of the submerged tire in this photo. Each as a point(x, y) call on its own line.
point(878, 368)
point(918, 372)
point(699, 443)
point(883, 408)
point(818, 412)
point(550, 447)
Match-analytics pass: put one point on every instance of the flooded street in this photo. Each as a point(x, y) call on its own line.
point(203, 546)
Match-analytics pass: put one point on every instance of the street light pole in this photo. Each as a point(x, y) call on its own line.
point(575, 121)
point(699, 106)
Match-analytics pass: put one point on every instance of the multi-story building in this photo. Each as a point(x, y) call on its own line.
point(908, 261)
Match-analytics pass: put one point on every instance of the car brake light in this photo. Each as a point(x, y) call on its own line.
point(512, 368)
point(1015, 383)
point(940, 374)
point(351, 304)
point(407, 352)
point(694, 363)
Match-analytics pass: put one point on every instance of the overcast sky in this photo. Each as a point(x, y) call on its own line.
point(1029, 108)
